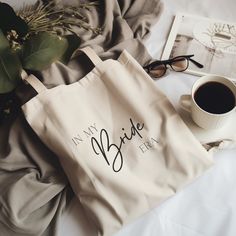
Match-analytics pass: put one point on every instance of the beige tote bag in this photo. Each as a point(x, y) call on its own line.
point(121, 143)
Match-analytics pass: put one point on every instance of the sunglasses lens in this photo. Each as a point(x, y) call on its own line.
point(180, 64)
point(157, 71)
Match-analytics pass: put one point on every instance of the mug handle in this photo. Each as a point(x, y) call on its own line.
point(185, 102)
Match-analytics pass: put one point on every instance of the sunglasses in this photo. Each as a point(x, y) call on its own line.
point(157, 69)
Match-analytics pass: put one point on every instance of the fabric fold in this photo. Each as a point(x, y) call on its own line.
point(33, 188)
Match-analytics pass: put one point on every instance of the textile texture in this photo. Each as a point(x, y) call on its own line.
point(33, 188)
point(120, 141)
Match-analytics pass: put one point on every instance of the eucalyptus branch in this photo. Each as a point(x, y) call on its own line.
point(30, 32)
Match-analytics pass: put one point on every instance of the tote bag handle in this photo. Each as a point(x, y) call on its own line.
point(39, 87)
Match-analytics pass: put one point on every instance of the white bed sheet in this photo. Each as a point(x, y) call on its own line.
point(208, 205)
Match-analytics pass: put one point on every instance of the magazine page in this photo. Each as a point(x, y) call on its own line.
point(213, 43)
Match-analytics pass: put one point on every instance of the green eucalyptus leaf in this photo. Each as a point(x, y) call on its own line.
point(20, 26)
point(73, 42)
point(10, 21)
point(7, 15)
point(10, 66)
point(4, 45)
point(42, 50)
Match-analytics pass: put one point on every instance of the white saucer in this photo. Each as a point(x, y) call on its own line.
point(228, 132)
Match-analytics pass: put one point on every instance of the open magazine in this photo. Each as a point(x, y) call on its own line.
point(213, 43)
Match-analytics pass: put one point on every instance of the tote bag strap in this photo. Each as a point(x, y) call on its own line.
point(40, 87)
point(91, 54)
point(37, 85)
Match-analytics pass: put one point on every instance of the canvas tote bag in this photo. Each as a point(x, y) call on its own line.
point(121, 143)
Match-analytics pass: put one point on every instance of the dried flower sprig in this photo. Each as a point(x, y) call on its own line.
point(27, 34)
point(46, 17)
point(49, 18)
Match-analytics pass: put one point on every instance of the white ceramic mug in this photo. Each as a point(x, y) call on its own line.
point(203, 118)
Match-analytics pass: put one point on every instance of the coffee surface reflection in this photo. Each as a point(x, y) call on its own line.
point(215, 97)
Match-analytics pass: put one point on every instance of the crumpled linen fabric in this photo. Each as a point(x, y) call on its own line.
point(33, 188)
point(125, 25)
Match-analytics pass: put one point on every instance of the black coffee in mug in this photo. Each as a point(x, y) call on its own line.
point(215, 97)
